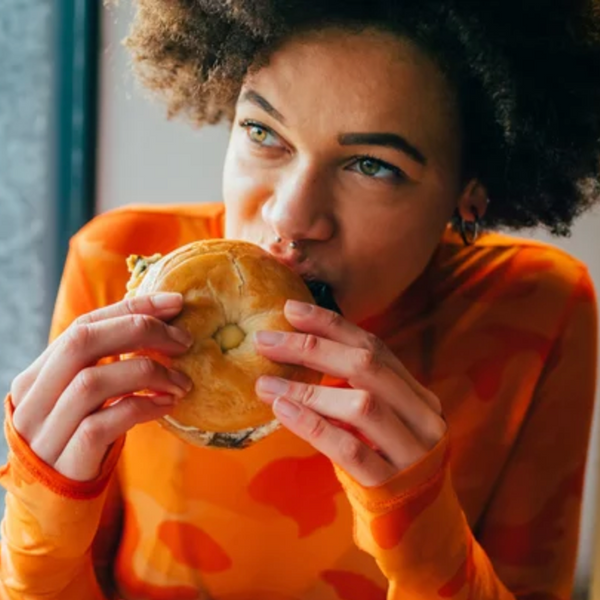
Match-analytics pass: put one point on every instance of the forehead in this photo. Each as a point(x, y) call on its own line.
point(370, 81)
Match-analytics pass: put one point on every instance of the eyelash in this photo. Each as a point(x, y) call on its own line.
point(395, 170)
point(246, 124)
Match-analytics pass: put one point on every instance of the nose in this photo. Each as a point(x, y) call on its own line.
point(301, 207)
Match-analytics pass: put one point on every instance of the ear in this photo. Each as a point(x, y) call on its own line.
point(473, 199)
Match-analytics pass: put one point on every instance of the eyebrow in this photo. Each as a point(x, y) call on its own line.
point(258, 100)
point(388, 140)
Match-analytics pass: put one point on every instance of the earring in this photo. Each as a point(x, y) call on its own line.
point(470, 230)
point(278, 240)
point(293, 245)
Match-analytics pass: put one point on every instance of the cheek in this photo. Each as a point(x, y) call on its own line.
point(390, 248)
point(411, 227)
point(245, 190)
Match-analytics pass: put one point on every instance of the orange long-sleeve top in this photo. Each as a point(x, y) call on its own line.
point(504, 332)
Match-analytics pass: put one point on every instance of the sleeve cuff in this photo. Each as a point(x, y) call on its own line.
point(31, 466)
point(401, 487)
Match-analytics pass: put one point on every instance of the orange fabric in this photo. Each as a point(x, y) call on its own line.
point(504, 333)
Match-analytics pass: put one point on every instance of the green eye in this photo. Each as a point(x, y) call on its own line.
point(257, 134)
point(369, 167)
point(374, 168)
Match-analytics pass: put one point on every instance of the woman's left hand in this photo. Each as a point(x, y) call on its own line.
point(385, 404)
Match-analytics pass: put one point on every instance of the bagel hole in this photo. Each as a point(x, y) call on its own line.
point(229, 336)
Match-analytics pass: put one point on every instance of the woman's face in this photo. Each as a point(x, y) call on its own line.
point(348, 144)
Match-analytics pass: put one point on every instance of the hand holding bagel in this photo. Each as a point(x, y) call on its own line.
point(70, 408)
point(385, 405)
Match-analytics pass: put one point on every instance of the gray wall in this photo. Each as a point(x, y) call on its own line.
point(26, 241)
point(143, 157)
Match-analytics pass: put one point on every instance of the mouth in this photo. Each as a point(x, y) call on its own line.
point(323, 295)
point(321, 291)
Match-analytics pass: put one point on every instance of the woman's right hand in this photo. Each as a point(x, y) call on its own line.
point(59, 400)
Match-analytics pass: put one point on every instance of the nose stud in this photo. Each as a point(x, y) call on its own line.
point(293, 245)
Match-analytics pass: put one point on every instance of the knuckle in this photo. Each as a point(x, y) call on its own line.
point(353, 451)
point(77, 338)
point(437, 430)
point(86, 319)
point(310, 343)
point(375, 344)
point(141, 324)
point(307, 396)
point(434, 401)
point(146, 367)
point(317, 428)
point(92, 433)
point(87, 382)
point(130, 305)
point(333, 319)
point(20, 386)
point(21, 424)
point(135, 411)
point(366, 407)
point(130, 412)
point(369, 360)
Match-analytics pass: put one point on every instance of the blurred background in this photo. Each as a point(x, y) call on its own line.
point(78, 137)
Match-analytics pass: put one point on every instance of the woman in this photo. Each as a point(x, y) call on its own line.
point(467, 358)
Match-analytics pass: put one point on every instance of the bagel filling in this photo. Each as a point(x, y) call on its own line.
point(229, 337)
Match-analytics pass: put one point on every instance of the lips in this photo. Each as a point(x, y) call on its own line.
point(320, 290)
point(293, 260)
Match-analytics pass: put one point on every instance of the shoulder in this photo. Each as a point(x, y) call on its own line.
point(549, 266)
point(102, 246)
point(518, 278)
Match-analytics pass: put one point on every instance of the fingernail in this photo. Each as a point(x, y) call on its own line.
point(272, 385)
point(299, 309)
point(181, 336)
point(166, 300)
point(286, 408)
point(163, 400)
point(181, 380)
point(269, 338)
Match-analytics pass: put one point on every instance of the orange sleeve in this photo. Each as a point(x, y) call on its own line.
point(57, 534)
point(525, 545)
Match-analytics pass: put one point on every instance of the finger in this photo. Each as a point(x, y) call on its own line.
point(83, 455)
point(372, 418)
point(361, 367)
point(91, 388)
point(87, 344)
point(162, 306)
point(356, 458)
point(310, 318)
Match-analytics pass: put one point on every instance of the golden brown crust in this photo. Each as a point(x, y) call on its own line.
point(224, 282)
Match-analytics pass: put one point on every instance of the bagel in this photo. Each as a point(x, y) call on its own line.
point(231, 289)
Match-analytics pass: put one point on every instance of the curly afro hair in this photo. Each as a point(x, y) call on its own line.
point(527, 73)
